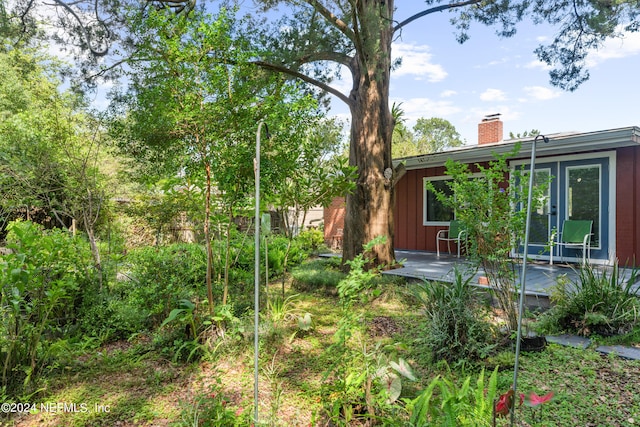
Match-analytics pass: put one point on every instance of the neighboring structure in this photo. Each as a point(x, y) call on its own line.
point(596, 176)
point(334, 222)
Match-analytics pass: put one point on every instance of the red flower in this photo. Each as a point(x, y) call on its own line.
point(535, 400)
point(506, 402)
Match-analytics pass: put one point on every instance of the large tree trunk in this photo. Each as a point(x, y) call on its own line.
point(370, 207)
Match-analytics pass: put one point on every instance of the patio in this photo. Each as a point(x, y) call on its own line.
point(428, 266)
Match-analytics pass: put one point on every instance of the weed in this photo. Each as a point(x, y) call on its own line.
point(272, 374)
point(210, 409)
point(361, 384)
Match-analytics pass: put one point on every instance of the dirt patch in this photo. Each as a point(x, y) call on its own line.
point(383, 326)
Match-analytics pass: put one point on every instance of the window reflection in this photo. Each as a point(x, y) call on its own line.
point(583, 196)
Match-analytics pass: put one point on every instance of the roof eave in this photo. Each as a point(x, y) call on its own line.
point(558, 144)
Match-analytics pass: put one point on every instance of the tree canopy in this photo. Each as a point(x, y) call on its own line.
point(310, 40)
point(431, 135)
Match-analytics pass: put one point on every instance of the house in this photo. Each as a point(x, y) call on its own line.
point(595, 175)
point(334, 215)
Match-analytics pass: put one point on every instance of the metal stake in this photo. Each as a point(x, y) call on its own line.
point(256, 286)
point(523, 276)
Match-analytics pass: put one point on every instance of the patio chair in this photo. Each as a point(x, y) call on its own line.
point(455, 233)
point(336, 239)
point(575, 234)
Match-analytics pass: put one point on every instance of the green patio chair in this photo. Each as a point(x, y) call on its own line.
point(455, 233)
point(575, 234)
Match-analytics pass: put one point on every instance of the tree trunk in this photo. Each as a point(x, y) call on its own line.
point(369, 212)
point(227, 257)
point(207, 236)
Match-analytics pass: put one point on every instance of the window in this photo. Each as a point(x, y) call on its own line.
point(583, 196)
point(540, 230)
point(435, 213)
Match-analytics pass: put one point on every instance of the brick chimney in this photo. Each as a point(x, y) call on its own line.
point(490, 129)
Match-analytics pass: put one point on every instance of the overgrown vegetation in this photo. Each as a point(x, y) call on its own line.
point(131, 304)
point(598, 302)
point(363, 361)
point(43, 281)
point(457, 328)
point(485, 205)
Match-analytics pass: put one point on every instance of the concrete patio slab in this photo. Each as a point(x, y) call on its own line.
point(570, 341)
point(540, 278)
point(632, 353)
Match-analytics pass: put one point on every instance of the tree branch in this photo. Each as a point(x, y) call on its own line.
point(304, 77)
point(333, 19)
point(434, 10)
point(324, 56)
point(85, 30)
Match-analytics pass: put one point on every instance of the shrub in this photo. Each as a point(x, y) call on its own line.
point(457, 327)
point(110, 317)
point(485, 206)
point(311, 240)
point(277, 250)
point(159, 277)
point(597, 302)
point(41, 284)
point(149, 284)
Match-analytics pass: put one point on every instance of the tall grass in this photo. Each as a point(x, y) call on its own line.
point(456, 320)
point(598, 302)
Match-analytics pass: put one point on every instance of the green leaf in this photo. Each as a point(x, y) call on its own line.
point(403, 368)
point(173, 315)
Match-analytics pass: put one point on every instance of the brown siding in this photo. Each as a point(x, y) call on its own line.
point(408, 214)
point(410, 232)
point(628, 212)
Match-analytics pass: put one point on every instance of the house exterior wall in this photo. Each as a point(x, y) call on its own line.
point(628, 210)
point(410, 233)
point(334, 222)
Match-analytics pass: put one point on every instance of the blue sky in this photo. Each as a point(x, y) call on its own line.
point(487, 75)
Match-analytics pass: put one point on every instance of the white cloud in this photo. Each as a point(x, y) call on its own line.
point(541, 93)
point(494, 63)
point(493, 95)
point(448, 93)
point(415, 108)
point(628, 45)
point(416, 61)
point(536, 63)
